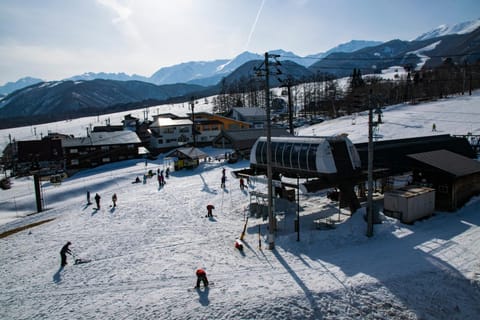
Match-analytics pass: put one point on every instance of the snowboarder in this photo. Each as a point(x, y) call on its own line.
point(137, 180)
point(63, 253)
point(88, 198)
point(167, 172)
point(209, 210)
point(201, 277)
point(97, 200)
point(114, 200)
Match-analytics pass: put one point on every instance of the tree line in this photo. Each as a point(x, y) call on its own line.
point(324, 94)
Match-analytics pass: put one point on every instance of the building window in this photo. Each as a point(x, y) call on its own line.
point(73, 150)
point(184, 129)
point(106, 159)
point(74, 162)
point(443, 188)
point(105, 148)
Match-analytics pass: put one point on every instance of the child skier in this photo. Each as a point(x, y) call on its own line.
point(201, 277)
point(209, 211)
point(114, 200)
point(63, 253)
point(97, 200)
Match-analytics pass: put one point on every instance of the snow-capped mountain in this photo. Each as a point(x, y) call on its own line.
point(443, 30)
point(108, 76)
point(19, 84)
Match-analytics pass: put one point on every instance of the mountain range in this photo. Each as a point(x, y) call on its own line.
point(93, 93)
point(204, 73)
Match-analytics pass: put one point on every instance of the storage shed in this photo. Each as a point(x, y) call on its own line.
point(187, 157)
point(410, 203)
point(455, 178)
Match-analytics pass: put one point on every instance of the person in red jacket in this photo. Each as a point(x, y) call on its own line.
point(201, 277)
point(209, 210)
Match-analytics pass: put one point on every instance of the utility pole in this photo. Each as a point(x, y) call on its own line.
point(289, 84)
point(371, 213)
point(192, 104)
point(266, 72)
point(370, 171)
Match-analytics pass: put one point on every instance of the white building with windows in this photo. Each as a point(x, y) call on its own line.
point(167, 133)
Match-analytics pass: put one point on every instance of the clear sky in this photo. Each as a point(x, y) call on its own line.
point(56, 39)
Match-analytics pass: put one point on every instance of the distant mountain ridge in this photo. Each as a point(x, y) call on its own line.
point(204, 73)
point(57, 100)
point(443, 30)
point(19, 84)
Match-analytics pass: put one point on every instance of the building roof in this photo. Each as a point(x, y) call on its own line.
point(251, 112)
point(245, 138)
point(167, 122)
point(188, 152)
point(447, 161)
point(103, 139)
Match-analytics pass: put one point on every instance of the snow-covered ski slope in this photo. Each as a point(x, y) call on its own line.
point(145, 251)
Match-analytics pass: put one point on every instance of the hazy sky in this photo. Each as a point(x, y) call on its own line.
point(55, 39)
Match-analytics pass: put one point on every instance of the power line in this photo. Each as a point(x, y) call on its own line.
point(376, 59)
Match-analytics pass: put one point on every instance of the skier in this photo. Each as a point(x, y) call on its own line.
point(239, 244)
point(222, 185)
point(114, 200)
point(88, 198)
point(167, 172)
point(159, 178)
point(201, 277)
point(242, 184)
point(162, 179)
point(63, 253)
point(209, 210)
point(97, 200)
point(434, 127)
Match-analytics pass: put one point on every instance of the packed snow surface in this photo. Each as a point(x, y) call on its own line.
point(144, 252)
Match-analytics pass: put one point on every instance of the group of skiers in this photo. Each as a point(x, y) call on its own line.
point(97, 200)
point(161, 178)
point(200, 273)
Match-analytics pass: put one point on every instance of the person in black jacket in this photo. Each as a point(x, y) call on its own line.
point(63, 253)
point(97, 200)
